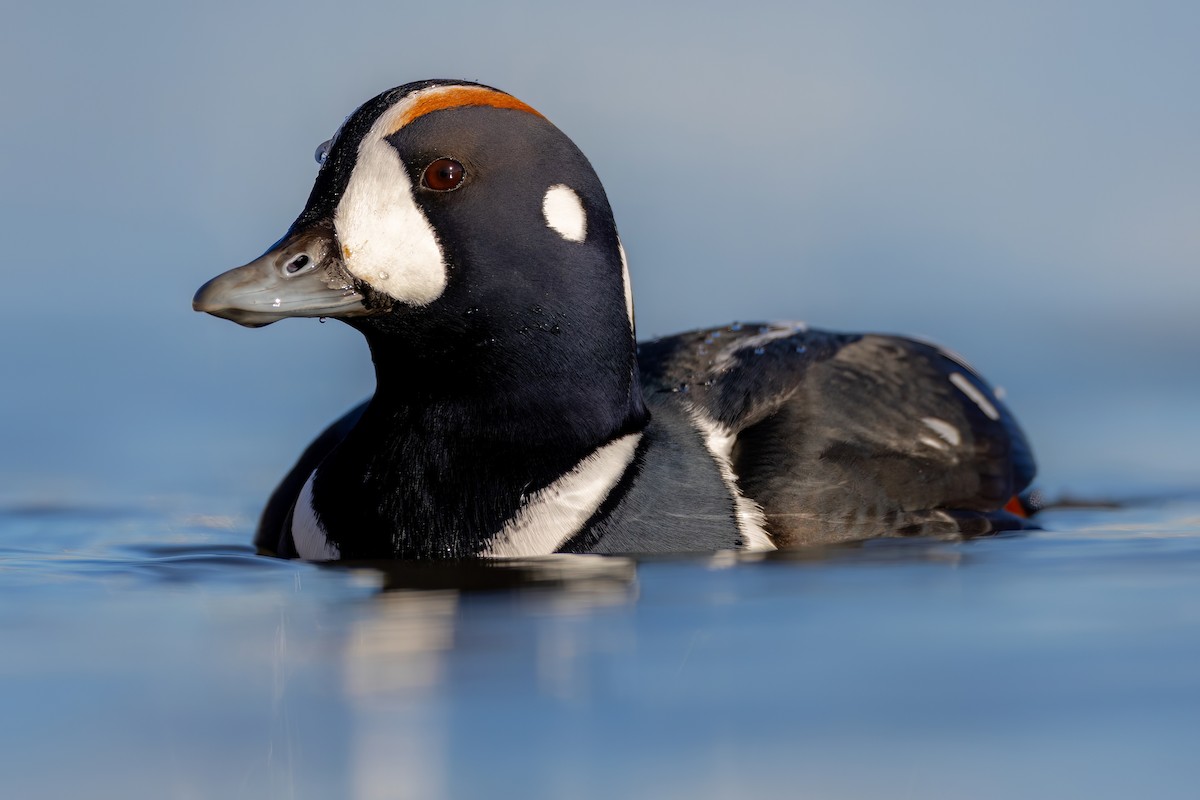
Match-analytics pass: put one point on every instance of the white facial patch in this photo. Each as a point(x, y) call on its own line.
point(386, 239)
point(628, 284)
point(564, 212)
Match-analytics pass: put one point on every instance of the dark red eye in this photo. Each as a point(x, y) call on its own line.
point(443, 175)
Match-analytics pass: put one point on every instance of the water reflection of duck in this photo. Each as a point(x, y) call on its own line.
point(473, 246)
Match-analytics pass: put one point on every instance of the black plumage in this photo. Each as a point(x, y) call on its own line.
point(523, 371)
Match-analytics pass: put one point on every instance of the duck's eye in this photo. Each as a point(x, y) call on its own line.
point(323, 151)
point(443, 175)
point(297, 264)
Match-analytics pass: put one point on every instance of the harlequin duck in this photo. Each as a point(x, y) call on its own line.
point(515, 414)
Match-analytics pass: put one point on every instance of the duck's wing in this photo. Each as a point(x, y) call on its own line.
point(840, 436)
point(274, 535)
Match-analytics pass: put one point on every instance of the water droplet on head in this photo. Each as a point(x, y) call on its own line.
point(321, 320)
point(322, 152)
point(555, 330)
point(383, 276)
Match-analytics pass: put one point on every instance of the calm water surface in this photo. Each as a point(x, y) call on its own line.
point(147, 652)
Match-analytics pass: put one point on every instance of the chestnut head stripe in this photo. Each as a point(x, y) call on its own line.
point(441, 98)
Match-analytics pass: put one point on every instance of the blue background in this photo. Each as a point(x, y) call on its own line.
point(1020, 182)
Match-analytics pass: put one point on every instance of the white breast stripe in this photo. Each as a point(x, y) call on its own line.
point(307, 532)
point(751, 522)
point(386, 239)
point(976, 396)
point(559, 511)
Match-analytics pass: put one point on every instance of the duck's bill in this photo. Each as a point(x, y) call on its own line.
point(302, 276)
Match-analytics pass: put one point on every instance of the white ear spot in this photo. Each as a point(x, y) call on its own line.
point(564, 212)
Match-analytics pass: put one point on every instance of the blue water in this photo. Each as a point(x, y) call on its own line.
point(1018, 181)
point(147, 652)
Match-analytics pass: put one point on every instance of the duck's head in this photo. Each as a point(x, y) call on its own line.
point(445, 215)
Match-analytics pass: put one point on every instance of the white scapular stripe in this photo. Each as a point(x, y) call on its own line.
point(558, 512)
point(943, 429)
point(976, 396)
point(308, 535)
point(751, 522)
point(386, 239)
point(564, 212)
point(728, 357)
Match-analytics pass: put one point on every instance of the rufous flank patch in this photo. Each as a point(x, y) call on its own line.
point(1015, 506)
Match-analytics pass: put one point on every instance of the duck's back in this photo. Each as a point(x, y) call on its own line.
point(839, 436)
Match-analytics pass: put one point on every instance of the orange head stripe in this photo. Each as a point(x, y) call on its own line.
point(459, 97)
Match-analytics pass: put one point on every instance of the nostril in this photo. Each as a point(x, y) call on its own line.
point(298, 263)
